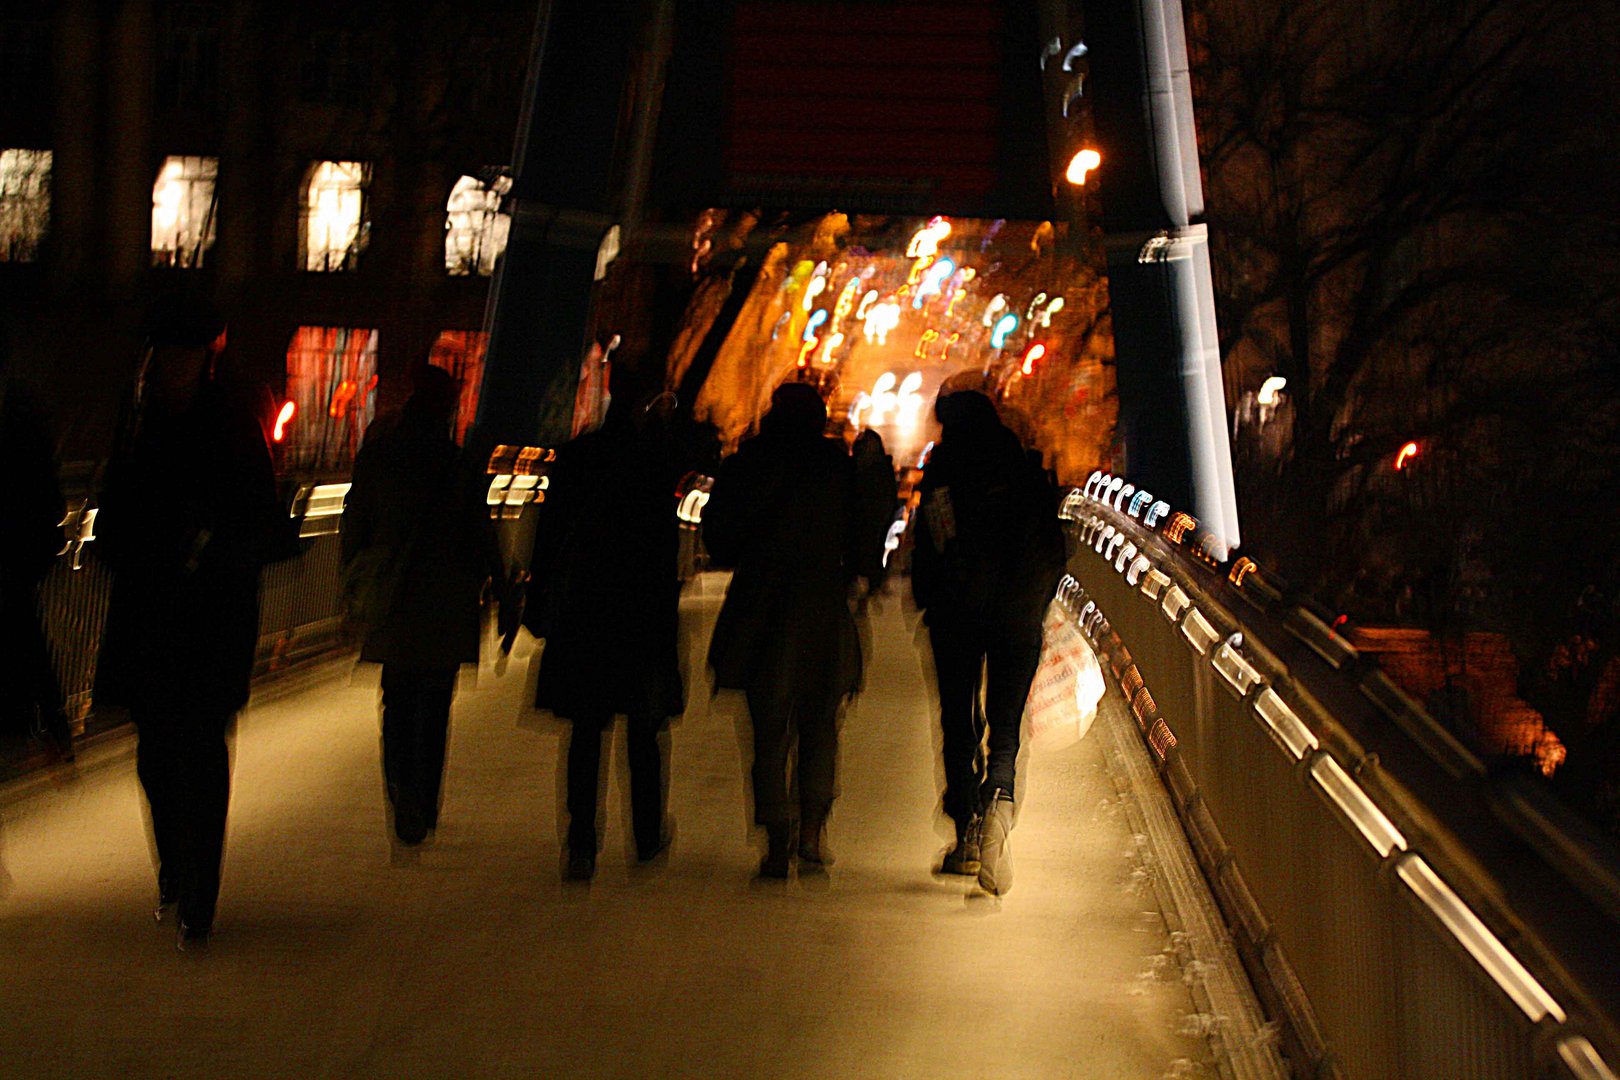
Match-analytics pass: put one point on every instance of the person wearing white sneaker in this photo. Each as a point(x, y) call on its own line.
point(987, 557)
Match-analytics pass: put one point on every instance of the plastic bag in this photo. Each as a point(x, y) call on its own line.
point(1068, 684)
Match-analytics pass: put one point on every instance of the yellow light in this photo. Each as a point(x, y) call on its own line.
point(1036, 351)
point(1405, 454)
point(1081, 164)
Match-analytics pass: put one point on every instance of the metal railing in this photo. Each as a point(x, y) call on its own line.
point(1403, 911)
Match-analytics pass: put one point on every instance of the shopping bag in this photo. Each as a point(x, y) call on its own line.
point(1068, 684)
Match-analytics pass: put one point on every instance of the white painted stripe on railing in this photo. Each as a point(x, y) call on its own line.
point(1290, 730)
point(1198, 632)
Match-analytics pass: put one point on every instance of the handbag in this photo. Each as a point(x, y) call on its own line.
point(1068, 684)
point(373, 578)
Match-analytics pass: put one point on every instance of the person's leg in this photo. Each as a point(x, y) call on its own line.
point(1010, 663)
point(584, 770)
point(646, 784)
point(206, 787)
point(958, 661)
point(771, 718)
point(817, 721)
point(398, 737)
point(436, 687)
point(1010, 668)
point(156, 766)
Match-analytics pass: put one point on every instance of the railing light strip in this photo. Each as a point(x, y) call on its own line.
point(1476, 937)
point(1199, 634)
point(1154, 584)
point(1363, 813)
point(1289, 729)
point(1582, 1059)
point(1231, 666)
point(1174, 603)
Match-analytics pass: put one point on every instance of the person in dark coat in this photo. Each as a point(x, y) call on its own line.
point(877, 496)
point(30, 540)
point(188, 518)
point(419, 545)
point(607, 600)
point(783, 514)
point(988, 555)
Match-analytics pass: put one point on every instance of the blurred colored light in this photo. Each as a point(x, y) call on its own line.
point(1405, 454)
point(1036, 351)
point(1004, 326)
point(283, 418)
point(1081, 164)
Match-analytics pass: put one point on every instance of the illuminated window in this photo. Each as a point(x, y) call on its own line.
point(25, 203)
point(333, 229)
point(461, 353)
point(474, 228)
point(183, 210)
point(332, 379)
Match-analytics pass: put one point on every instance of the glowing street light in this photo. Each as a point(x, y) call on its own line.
point(1405, 454)
point(1081, 164)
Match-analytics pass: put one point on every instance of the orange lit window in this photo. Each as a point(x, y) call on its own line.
point(332, 380)
point(461, 353)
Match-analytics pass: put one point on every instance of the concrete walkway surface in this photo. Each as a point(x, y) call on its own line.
point(334, 957)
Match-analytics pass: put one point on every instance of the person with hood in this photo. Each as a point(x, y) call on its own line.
point(188, 518)
point(987, 557)
point(606, 598)
point(783, 514)
point(418, 547)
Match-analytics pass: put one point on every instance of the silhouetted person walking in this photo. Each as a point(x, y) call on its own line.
point(188, 518)
point(783, 514)
point(418, 547)
point(606, 598)
point(987, 559)
point(30, 539)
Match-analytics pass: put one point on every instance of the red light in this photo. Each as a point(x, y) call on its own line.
point(1036, 351)
point(283, 418)
point(1405, 454)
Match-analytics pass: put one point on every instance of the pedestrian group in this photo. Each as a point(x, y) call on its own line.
point(798, 519)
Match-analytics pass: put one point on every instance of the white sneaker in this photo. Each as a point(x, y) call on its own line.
point(995, 857)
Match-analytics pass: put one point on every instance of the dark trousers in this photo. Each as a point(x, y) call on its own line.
point(416, 719)
point(646, 782)
point(185, 770)
point(1006, 659)
point(779, 722)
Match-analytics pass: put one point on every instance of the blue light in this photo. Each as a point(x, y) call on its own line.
point(932, 280)
point(1004, 326)
point(815, 320)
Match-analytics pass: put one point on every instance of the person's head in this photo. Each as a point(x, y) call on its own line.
point(965, 411)
point(182, 336)
point(797, 411)
point(435, 395)
point(868, 446)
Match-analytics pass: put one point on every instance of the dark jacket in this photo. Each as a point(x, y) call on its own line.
point(876, 498)
point(605, 582)
point(416, 497)
point(783, 514)
point(988, 547)
point(188, 518)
